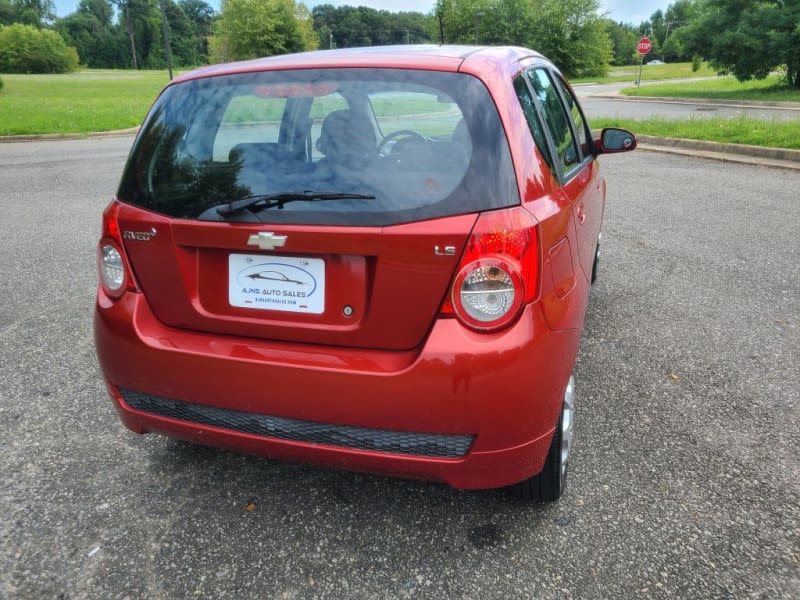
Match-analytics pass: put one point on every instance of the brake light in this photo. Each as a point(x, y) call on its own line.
point(112, 265)
point(498, 272)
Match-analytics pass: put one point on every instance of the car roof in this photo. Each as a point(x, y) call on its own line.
point(473, 59)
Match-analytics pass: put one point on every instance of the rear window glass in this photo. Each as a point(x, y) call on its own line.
point(423, 144)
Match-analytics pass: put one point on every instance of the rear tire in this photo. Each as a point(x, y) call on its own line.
point(549, 485)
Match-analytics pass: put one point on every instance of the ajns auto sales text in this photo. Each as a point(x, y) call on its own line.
point(266, 292)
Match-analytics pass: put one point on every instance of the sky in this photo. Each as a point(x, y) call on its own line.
point(627, 11)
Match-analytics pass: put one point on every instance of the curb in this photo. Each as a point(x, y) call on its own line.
point(794, 106)
point(754, 155)
point(45, 137)
point(784, 154)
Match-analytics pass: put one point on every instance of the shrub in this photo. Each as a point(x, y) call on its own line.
point(1, 83)
point(25, 49)
point(697, 62)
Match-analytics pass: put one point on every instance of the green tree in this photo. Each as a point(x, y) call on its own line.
point(32, 12)
point(254, 28)
point(674, 48)
point(677, 17)
point(201, 17)
point(413, 28)
point(100, 43)
point(7, 13)
point(183, 40)
point(140, 20)
point(355, 29)
point(101, 9)
point(26, 49)
point(186, 45)
point(80, 30)
point(28, 12)
point(136, 38)
point(133, 13)
point(346, 26)
point(149, 36)
point(665, 30)
point(569, 32)
point(623, 43)
point(749, 38)
point(305, 25)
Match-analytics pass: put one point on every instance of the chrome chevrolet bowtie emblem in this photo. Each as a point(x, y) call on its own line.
point(266, 240)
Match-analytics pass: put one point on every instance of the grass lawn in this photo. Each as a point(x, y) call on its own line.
point(650, 73)
point(86, 101)
point(722, 88)
point(742, 130)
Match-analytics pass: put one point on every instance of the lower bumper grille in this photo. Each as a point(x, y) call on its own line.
point(360, 438)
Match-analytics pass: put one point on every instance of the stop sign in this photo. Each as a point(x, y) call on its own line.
point(644, 46)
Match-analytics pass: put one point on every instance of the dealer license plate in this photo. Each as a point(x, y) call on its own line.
point(283, 283)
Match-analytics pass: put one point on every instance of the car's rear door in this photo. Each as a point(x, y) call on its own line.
point(369, 268)
point(570, 148)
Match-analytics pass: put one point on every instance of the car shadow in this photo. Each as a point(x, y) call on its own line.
point(371, 508)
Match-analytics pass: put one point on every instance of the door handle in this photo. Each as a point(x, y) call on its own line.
point(581, 214)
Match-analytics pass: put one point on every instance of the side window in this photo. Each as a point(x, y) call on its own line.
point(321, 107)
point(529, 110)
point(248, 119)
point(433, 115)
point(581, 127)
point(556, 118)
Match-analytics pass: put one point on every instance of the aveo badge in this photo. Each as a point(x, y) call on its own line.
point(282, 283)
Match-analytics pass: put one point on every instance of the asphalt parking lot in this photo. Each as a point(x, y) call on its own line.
point(686, 474)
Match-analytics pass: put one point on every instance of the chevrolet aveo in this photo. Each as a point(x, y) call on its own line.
point(373, 259)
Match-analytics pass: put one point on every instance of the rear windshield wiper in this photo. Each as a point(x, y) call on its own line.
point(281, 198)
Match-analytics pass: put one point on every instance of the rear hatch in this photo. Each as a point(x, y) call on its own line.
point(379, 176)
point(364, 287)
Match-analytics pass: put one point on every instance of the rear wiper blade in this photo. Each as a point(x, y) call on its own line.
point(281, 198)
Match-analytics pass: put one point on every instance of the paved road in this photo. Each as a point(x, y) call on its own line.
point(686, 481)
point(598, 101)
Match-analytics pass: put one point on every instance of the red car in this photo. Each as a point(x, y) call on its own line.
point(375, 259)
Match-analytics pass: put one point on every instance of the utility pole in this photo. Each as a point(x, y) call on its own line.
point(131, 36)
point(478, 17)
point(165, 34)
point(666, 36)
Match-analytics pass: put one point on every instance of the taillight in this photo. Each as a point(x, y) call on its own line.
point(112, 267)
point(498, 271)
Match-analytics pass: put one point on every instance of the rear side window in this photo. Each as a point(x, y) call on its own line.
point(529, 110)
point(424, 144)
point(556, 118)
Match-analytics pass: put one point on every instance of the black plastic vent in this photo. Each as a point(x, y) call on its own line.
point(381, 440)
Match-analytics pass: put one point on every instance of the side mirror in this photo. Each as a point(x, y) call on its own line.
point(613, 140)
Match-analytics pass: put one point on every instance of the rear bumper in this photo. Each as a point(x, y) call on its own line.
point(492, 401)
